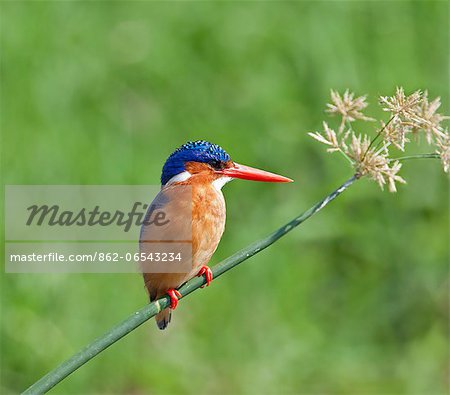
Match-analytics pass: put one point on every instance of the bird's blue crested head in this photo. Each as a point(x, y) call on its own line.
point(193, 151)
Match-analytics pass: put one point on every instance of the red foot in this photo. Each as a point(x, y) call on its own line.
point(174, 296)
point(205, 270)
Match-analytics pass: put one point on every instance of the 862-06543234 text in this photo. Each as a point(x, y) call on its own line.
point(98, 256)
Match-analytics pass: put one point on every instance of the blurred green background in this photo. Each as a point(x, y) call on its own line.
point(354, 301)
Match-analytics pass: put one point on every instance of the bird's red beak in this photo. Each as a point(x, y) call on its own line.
point(250, 173)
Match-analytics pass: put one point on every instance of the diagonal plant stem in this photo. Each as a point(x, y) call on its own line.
point(419, 156)
point(139, 317)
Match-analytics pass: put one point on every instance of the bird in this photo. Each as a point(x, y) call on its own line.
point(191, 196)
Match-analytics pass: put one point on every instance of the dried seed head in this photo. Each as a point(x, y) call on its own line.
point(402, 107)
point(348, 107)
point(443, 144)
point(329, 138)
point(409, 114)
point(358, 147)
point(430, 119)
point(395, 133)
point(375, 163)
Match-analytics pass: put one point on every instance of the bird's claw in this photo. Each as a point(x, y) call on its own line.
point(205, 270)
point(174, 296)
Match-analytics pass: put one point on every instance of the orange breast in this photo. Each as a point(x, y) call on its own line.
point(201, 214)
point(208, 222)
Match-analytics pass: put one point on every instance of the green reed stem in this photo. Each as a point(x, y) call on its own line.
point(419, 156)
point(139, 317)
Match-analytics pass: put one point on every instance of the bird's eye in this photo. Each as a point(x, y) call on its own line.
point(216, 164)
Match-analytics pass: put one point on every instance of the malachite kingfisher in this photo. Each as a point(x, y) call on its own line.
point(204, 168)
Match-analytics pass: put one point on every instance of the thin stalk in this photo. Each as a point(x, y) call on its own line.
point(378, 135)
point(346, 134)
point(344, 121)
point(139, 317)
point(346, 157)
point(419, 156)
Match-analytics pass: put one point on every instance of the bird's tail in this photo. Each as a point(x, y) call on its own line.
point(163, 318)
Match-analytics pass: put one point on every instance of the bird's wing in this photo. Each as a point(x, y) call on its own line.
point(171, 235)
